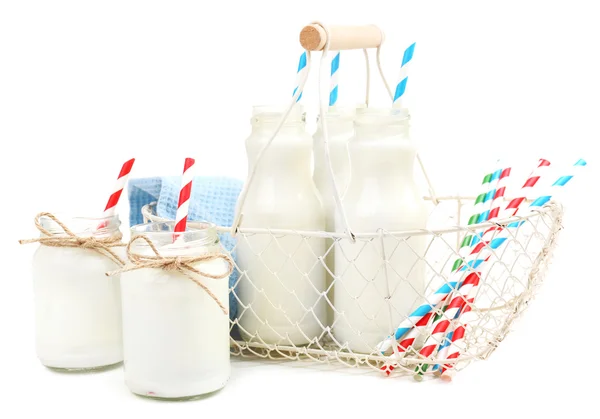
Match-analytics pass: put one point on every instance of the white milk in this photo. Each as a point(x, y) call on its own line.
point(175, 336)
point(285, 306)
point(340, 128)
point(381, 195)
point(77, 308)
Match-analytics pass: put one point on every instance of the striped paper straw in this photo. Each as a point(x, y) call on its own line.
point(405, 344)
point(113, 200)
point(454, 348)
point(299, 76)
point(184, 197)
point(482, 202)
point(454, 351)
point(513, 206)
point(478, 208)
point(496, 194)
point(443, 350)
point(335, 66)
point(433, 300)
point(441, 326)
point(403, 79)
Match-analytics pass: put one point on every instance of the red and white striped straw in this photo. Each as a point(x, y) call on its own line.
point(513, 206)
point(184, 197)
point(111, 205)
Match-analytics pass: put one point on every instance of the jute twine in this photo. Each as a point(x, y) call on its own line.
point(101, 245)
point(181, 264)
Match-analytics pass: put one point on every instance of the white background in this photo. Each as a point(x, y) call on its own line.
point(85, 85)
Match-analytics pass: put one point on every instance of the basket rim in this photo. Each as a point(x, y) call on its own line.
point(553, 208)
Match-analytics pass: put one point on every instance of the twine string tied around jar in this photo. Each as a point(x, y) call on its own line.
point(181, 264)
point(101, 245)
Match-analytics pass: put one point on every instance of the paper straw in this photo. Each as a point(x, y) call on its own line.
point(454, 350)
point(494, 196)
point(335, 66)
point(403, 78)
point(184, 197)
point(513, 206)
point(405, 344)
point(432, 301)
point(113, 200)
point(300, 76)
point(478, 208)
point(497, 195)
point(441, 326)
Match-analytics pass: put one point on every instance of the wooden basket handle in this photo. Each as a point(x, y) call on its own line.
point(313, 37)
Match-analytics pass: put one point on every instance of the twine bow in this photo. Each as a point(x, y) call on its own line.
point(181, 264)
point(101, 245)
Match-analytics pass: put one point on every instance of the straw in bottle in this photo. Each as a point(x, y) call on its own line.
point(403, 78)
point(300, 76)
point(113, 200)
point(184, 197)
point(335, 66)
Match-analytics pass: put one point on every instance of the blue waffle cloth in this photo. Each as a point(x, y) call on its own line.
point(213, 199)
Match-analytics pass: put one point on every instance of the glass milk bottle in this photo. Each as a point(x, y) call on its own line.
point(381, 194)
point(77, 308)
point(175, 335)
point(281, 291)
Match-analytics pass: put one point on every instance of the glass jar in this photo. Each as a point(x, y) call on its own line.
point(77, 308)
point(374, 293)
point(283, 283)
point(175, 336)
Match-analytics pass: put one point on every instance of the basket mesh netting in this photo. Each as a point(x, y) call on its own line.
point(321, 296)
point(418, 302)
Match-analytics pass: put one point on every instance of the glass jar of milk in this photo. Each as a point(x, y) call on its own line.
point(175, 335)
point(77, 308)
point(282, 285)
point(380, 278)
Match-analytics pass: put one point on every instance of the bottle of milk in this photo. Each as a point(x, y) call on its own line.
point(282, 283)
point(381, 194)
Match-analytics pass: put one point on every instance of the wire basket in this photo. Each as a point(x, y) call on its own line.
point(351, 321)
point(507, 284)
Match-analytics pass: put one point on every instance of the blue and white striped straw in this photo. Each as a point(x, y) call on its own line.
point(335, 66)
point(300, 75)
point(403, 79)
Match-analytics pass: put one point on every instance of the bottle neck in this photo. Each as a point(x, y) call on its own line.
point(381, 146)
point(373, 131)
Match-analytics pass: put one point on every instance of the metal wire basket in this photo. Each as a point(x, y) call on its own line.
point(507, 284)
point(307, 324)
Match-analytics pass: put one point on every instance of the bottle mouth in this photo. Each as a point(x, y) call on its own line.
point(275, 112)
point(341, 112)
point(198, 233)
point(382, 115)
point(81, 225)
